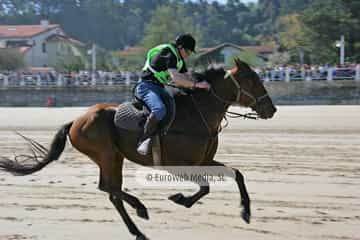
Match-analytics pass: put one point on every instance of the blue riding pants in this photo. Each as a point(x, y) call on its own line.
point(151, 93)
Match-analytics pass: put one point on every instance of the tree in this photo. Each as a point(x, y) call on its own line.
point(325, 21)
point(166, 23)
point(133, 62)
point(278, 58)
point(11, 59)
point(292, 35)
point(269, 11)
point(217, 28)
point(75, 59)
point(353, 7)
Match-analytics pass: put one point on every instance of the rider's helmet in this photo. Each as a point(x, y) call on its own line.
point(187, 41)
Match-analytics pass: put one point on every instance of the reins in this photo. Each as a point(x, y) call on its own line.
point(229, 114)
point(253, 116)
point(202, 116)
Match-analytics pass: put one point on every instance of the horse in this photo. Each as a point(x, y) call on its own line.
point(95, 135)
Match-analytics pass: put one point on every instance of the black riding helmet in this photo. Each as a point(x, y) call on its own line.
point(186, 41)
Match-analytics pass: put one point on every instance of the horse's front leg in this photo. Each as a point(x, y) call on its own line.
point(179, 198)
point(244, 196)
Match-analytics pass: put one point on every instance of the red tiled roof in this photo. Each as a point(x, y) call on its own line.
point(255, 49)
point(205, 51)
point(259, 49)
point(59, 37)
point(22, 31)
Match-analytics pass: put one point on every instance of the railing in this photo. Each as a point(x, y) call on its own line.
point(64, 80)
point(127, 78)
point(328, 74)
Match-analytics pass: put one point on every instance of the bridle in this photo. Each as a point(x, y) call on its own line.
point(239, 91)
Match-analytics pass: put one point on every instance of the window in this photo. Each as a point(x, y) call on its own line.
point(16, 43)
point(44, 47)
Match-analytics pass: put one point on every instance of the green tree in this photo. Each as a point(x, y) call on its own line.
point(325, 21)
point(11, 59)
point(133, 62)
point(166, 23)
point(353, 49)
point(292, 35)
point(278, 58)
point(269, 11)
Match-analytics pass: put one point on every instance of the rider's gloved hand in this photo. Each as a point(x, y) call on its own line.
point(202, 85)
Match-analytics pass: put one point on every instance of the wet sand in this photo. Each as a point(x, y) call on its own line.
point(302, 170)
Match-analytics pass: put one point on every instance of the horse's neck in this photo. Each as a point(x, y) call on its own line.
point(206, 111)
point(212, 110)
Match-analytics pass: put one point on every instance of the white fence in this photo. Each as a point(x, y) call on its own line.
point(329, 74)
point(64, 80)
point(127, 78)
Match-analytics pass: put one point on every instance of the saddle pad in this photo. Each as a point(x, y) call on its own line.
point(128, 117)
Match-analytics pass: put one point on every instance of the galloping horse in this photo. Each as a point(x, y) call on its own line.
point(96, 135)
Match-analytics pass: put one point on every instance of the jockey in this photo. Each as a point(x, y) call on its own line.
point(164, 65)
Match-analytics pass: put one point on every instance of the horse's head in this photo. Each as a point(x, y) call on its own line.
point(248, 90)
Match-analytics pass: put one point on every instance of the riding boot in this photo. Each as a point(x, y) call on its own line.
point(150, 128)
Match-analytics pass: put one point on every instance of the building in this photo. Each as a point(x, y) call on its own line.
point(224, 53)
point(221, 54)
point(43, 45)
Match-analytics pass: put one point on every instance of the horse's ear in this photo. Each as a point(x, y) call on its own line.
point(237, 63)
point(240, 64)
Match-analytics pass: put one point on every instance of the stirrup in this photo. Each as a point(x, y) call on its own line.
point(144, 147)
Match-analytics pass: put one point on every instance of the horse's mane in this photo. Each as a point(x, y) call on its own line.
point(216, 72)
point(210, 74)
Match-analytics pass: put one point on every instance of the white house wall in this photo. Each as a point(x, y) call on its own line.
point(35, 56)
point(52, 51)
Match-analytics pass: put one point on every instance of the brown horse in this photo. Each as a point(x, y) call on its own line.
point(95, 135)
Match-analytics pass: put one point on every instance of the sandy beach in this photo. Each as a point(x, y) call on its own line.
point(302, 171)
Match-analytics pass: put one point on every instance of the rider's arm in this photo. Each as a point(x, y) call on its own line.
point(185, 80)
point(181, 79)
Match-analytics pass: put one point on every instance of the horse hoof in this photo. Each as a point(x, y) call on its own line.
point(246, 216)
point(142, 213)
point(177, 198)
point(142, 237)
point(180, 199)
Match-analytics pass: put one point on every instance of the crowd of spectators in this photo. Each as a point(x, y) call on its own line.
point(54, 78)
point(309, 72)
point(50, 77)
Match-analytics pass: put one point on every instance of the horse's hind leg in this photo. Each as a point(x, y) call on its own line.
point(118, 203)
point(245, 200)
point(188, 202)
point(111, 182)
point(111, 164)
point(92, 135)
point(135, 203)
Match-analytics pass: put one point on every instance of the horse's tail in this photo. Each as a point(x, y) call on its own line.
point(28, 164)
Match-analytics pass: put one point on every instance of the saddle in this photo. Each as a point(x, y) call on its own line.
point(131, 116)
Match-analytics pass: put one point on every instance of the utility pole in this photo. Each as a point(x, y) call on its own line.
point(93, 68)
point(342, 50)
point(341, 44)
